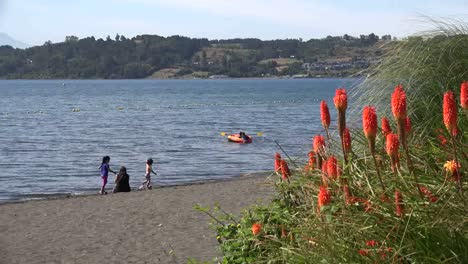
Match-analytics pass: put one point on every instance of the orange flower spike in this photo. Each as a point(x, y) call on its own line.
point(363, 252)
point(347, 140)
point(324, 170)
point(464, 95)
point(399, 209)
point(324, 114)
point(369, 122)
point(399, 103)
point(319, 143)
point(392, 146)
point(341, 103)
point(277, 162)
point(450, 113)
point(341, 99)
point(332, 167)
point(429, 194)
point(451, 166)
point(407, 125)
point(311, 160)
point(256, 229)
point(285, 172)
point(442, 139)
point(386, 129)
point(348, 197)
point(372, 243)
point(324, 197)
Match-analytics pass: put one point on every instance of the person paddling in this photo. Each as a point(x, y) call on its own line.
point(243, 136)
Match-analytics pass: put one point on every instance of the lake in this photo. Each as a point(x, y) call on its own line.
point(53, 134)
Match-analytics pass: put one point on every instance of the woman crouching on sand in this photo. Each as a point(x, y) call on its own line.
point(122, 181)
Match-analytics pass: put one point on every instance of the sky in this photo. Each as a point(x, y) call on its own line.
point(37, 21)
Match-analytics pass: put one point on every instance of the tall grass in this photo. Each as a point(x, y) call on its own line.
point(427, 64)
point(370, 224)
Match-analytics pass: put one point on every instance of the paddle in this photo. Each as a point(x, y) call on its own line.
point(259, 134)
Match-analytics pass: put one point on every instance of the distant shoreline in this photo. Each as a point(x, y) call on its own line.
point(188, 79)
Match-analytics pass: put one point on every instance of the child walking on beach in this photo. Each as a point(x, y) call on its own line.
point(105, 172)
point(149, 169)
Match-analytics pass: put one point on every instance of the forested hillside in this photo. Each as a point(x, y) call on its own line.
point(181, 57)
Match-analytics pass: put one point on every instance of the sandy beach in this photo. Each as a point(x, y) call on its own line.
point(155, 226)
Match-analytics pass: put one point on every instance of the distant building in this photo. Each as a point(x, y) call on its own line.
point(218, 77)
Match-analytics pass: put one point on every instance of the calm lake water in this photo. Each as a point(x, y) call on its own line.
point(46, 148)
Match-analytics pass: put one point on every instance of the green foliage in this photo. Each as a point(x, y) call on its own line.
point(365, 225)
point(426, 65)
point(141, 56)
point(293, 231)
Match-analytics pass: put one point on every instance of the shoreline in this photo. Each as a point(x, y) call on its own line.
point(58, 196)
point(153, 226)
point(193, 79)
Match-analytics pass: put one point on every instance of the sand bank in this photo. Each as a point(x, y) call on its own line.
point(156, 226)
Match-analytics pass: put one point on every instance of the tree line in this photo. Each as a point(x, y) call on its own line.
point(141, 56)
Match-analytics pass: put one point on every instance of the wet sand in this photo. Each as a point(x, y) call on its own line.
point(154, 226)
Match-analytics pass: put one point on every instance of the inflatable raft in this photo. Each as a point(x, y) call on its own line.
point(237, 139)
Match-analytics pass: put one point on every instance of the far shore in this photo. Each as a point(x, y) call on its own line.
point(186, 79)
point(153, 226)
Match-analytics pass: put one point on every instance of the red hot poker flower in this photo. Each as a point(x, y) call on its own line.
point(363, 252)
point(453, 168)
point(407, 125)
point(386, 129)
point(324, 197)
point(464, 95)
point(443, 140)
point(256, 229)
point(392, 146)
point(332, 167)
point(399, 103)
point(399, 209)
point(285, 172)
point(347, 140)
point(324, 114)
point(341, 99)
point(428, 194)
point(341, 103)
point(348, 197)
point(311, 163)
point(324, 171)
point(319, 143)
point(369, 122)
point(277, 162)
point(450, 113)
point(372, 243)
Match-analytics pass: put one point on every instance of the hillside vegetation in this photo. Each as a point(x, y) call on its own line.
point(154, 56)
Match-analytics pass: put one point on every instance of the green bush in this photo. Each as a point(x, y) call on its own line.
point(365, 226)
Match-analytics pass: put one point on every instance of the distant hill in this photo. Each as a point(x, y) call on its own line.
point(152, 56)
point(7, 40)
